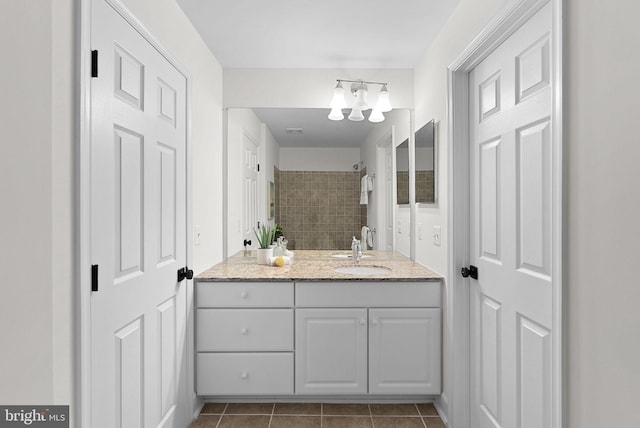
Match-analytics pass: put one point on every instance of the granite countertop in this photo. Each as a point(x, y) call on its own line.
point(317, 265)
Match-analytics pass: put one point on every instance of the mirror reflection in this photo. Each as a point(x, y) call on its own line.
point(425, 163)
point(402, 173)
point(318, 168)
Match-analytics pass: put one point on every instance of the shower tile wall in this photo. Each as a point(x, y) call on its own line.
point(402, 187)
point(318, 210)
point(424, 186)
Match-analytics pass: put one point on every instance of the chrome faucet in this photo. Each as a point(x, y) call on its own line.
point(356, 251)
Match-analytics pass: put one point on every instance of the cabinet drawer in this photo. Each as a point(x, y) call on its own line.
point(244, 329)
point(244, 294)
point(244, 374)
point(368, 294)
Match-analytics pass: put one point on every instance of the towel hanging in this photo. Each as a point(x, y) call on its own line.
point(369, 183)
point(364, 196)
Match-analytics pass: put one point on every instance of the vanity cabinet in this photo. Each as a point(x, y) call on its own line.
point(370, 349)
point(244, 338)
point(320, 338)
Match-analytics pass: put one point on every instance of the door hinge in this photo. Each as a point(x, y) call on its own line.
point(184, 273)
point(94, 63)
point(94, 277)
point(471, 271)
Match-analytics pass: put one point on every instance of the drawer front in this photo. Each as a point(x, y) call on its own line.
point(244, 294)
point(368, 294)
point(244, 329)
point(244, 374)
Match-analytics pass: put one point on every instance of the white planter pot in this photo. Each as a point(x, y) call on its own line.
point(264, 254)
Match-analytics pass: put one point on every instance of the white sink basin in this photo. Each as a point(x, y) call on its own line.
point(347, 256)
point(362, 270)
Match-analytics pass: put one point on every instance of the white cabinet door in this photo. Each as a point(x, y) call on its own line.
point(404, 351)
point(331, 351)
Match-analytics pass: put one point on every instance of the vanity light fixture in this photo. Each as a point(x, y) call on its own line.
point(359, 89)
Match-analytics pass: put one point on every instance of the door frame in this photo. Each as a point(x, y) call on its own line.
point(82, 298)
point(503, 25)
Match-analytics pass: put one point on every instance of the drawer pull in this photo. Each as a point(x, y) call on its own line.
point(244, 375)
point(374, 322)
point(244, 331)
point(244, 295)
point(363, 322)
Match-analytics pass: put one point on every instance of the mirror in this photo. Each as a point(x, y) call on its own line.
point(425, 164)
point(402, 173)
point(316, 166)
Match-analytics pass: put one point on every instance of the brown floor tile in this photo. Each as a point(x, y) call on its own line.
point(298, 409)
point(279, 421)
point(397, 422)
point(339, 409)
point(427, 409)
point(205, 421)
point(433, 422)
point(249, 409)
point(394, 410)
point(346, 422)
point(213, 408)
point(244, 421)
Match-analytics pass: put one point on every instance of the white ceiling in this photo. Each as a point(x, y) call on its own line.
point(320, 33)
point(317, 130)
point(317, 34)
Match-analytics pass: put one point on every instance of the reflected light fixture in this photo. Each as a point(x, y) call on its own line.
point(359, 90)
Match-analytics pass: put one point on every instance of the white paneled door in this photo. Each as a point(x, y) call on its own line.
point(511, 231)
point(138, 230)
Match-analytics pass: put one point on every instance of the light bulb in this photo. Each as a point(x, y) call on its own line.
point(383, 100)
point(361, 98)
point(336, 114)
point(376, 116)
point(356, 115)
point(338, 100)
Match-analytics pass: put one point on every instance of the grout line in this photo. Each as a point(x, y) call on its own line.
point(420, 414)
point(370, 414)
point(273, 409)
point(220, 418)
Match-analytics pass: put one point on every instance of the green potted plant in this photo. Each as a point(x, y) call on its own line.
point(278, 232)
point(265, 234)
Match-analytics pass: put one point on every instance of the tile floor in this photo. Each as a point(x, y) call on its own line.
point(317, 415)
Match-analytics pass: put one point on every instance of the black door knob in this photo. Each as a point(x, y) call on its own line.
point(471, 271)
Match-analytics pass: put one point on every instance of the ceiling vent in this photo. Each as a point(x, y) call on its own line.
point(295, 131)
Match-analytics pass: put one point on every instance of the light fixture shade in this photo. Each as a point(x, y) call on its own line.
point(384, 105)
point(338, 101)
point(336, 114)
point(356, 115)
point(376, 116)
point(361, 98)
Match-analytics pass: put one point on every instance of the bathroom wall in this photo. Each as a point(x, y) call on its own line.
point(26, 188)
point(319, 210)
point(602, 202)
point(318, 159)
point(308, 88)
